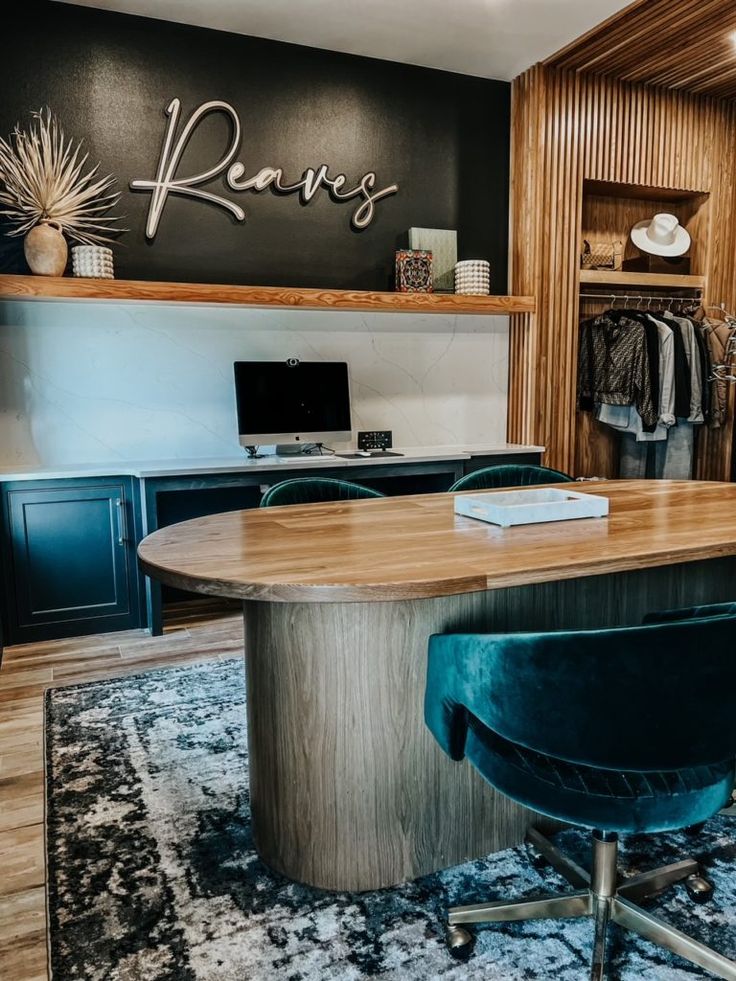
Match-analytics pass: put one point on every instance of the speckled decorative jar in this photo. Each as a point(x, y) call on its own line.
point(473, 277)
point(92, 261)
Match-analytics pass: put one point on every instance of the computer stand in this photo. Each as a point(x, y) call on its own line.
point(317, 449)
point(368, 454)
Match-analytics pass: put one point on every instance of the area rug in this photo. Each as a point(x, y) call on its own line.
point(152, 875)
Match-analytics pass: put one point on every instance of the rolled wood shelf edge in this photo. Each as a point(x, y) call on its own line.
point(126, 290)
point(425, 552)
point(288, 592)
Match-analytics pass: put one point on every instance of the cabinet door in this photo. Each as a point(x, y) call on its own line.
point(71, 560)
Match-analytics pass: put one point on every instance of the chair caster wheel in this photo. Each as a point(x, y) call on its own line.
point(699, 889)
point(536, 859)
point(460, 942)
point(695, 829)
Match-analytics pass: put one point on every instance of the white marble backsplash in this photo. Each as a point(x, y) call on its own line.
point(94, 382)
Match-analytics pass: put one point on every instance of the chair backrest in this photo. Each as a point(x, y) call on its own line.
point(509, 475)
point(656, 697)
point(315, 490)
point(692, 613)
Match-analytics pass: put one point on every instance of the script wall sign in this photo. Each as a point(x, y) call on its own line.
point(284, 124)
point(312, 179)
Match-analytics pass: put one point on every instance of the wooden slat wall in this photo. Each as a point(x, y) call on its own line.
point(681, 44)
point(567, 127)
point(526, 229)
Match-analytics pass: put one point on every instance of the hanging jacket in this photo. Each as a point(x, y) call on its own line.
point(704, 367)
point(683, 390)
point(695, 368)
point(717, 335)
point(652, 350)
point(614, 366)
point(625, 418)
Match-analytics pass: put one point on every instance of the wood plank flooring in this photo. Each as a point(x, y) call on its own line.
point(27, 670)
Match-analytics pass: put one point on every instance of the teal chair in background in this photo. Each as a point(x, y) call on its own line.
point(510, 475)
point(315, 490)
point(587, 727)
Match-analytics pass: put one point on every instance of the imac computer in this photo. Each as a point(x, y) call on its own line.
point(292, 402)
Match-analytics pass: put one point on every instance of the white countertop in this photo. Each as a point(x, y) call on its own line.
point(266, 464)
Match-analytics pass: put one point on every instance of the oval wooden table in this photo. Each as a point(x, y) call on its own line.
point(348, 789)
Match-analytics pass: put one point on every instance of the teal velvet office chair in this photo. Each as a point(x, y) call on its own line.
point(536, 715)
point(315, 490)
point(511, 475)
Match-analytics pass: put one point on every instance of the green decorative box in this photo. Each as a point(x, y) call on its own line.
point(442, 243)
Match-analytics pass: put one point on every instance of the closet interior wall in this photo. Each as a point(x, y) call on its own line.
point(569, 129)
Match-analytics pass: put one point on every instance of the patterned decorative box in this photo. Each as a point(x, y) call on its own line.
point(413, 271)
point(602, 255)
point(442, 243)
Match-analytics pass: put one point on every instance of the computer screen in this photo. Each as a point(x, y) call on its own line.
point(292, 401)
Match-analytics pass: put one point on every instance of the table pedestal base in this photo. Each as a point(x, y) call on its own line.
point(348, 788)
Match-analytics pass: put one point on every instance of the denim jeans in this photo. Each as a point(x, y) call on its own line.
point(670, 459)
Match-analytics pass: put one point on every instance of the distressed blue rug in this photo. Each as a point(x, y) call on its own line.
point(152, 875)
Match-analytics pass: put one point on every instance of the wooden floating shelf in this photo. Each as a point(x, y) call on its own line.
point(122, 290)
point(604, 277)
point(640, 192)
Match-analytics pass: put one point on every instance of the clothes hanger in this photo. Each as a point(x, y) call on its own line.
point(637, 313)
point(616, 314)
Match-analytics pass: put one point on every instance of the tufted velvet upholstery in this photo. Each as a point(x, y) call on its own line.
point(314, 490)
point(628, 730)
point(511, 475)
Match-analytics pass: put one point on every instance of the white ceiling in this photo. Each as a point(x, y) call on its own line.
point(489, 38)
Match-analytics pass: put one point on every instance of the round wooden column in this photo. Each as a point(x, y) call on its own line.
point(348, 788)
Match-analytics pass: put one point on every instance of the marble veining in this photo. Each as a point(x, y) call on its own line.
point(116, 382)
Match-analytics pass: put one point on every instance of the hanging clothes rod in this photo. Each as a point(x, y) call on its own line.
point(641, 298)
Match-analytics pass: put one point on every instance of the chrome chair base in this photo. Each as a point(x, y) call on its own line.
point(730, 809)
point(603, 896)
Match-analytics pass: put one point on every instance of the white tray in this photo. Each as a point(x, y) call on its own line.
point(527, 507)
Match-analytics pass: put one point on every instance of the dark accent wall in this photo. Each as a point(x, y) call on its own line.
point(444, 138)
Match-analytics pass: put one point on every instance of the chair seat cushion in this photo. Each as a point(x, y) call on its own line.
point(613, 800)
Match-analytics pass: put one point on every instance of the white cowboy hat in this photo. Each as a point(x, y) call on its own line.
point(662, 235)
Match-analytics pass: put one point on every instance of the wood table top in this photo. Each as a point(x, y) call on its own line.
point(412, 547)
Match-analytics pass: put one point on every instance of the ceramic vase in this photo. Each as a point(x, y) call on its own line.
point(46, 250)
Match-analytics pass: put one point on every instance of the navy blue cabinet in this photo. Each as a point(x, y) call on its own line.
point(69, 558)
point(69, 563)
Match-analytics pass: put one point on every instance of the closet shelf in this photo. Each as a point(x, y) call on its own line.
point(605, 277)
point(641, 192)
point(122, 290)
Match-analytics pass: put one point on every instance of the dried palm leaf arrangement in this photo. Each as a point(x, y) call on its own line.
point(46, 192)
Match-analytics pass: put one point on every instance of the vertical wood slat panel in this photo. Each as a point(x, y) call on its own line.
point(567, 127)
point(526, 148)
point(676, 44)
